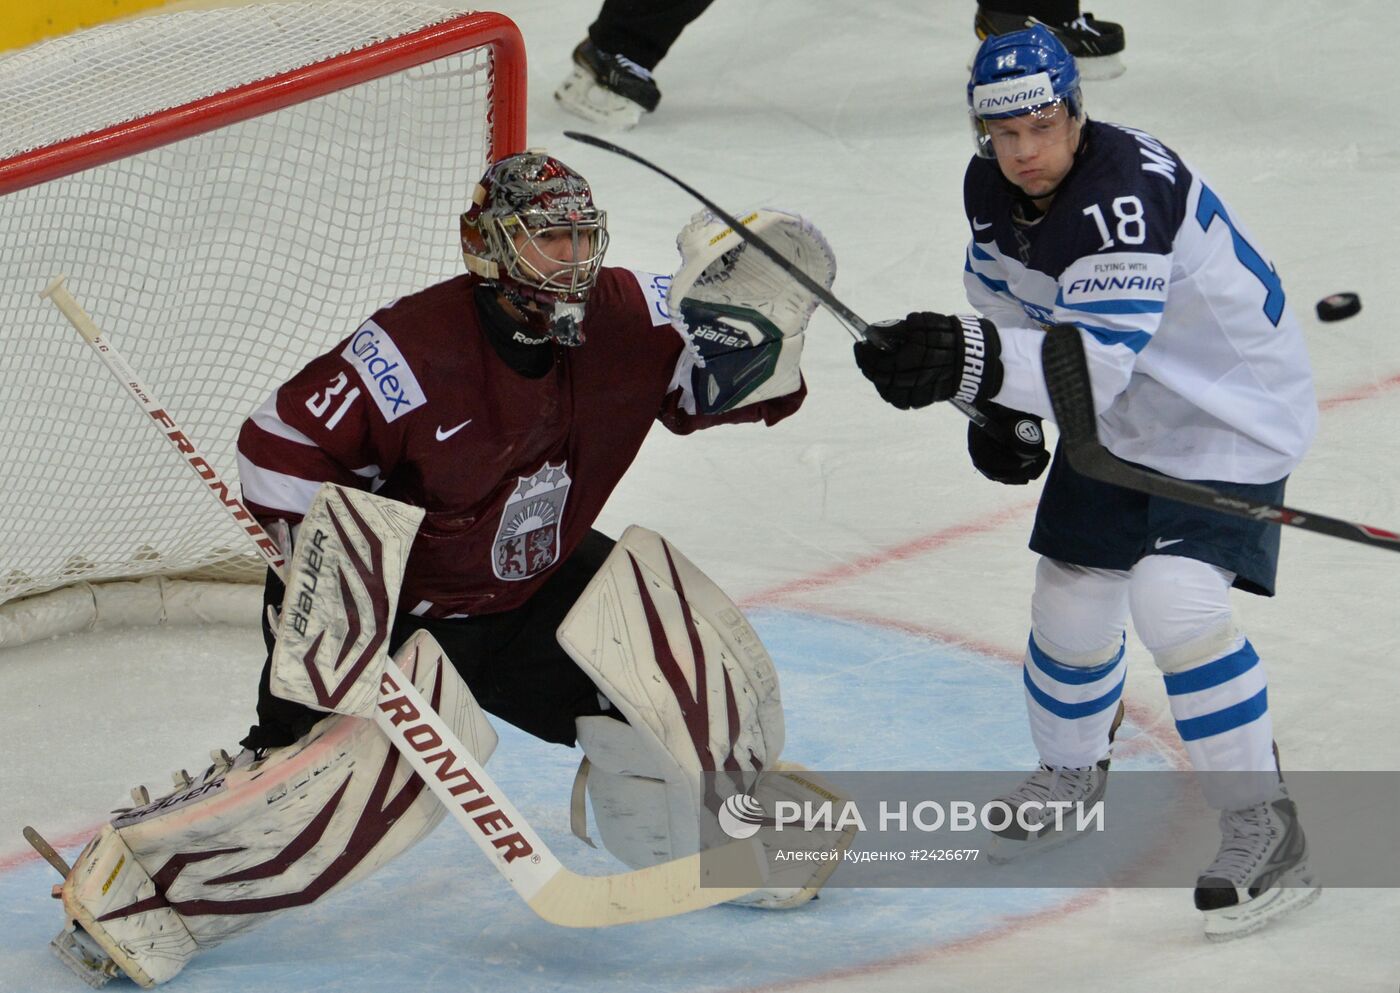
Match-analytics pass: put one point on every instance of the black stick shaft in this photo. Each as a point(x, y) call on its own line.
point(1067, 379)
point(827, 298)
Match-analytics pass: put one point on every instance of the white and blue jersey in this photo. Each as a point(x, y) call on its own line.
point(1198, 364)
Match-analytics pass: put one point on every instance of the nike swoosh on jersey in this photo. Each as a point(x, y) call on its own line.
point(1159, 543)
point(444, 435)
point(977, 226)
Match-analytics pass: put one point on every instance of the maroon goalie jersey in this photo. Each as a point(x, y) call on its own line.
point(511, 471)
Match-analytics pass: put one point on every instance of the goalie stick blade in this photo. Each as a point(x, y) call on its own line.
point(1071, 398)
point(665, 890)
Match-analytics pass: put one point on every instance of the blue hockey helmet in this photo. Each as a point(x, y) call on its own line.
point(1022, 72)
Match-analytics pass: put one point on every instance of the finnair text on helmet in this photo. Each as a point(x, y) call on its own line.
point(1036, 94)
point(1010, 95)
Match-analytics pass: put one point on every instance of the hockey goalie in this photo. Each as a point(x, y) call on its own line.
point(436, 477)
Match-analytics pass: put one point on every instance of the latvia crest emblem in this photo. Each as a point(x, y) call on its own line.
point(527, 540)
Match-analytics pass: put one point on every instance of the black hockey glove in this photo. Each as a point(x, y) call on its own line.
point(1011, 449)
point(927, 358)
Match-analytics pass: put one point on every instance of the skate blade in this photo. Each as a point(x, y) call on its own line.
point(80, 953)
point(1005, 851)
point(1231, 923)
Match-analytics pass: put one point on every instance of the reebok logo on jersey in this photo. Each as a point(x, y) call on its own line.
point(384, 371)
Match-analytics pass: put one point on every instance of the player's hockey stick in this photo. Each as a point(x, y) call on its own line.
point(1067, 379)
point(552, 891)
point(858, 327)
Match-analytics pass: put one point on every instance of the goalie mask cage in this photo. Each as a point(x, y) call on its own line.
point(230, 192)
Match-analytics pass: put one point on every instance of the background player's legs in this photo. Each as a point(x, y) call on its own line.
point(1097, 45)
point(611, 82)
point(1049, 11)
point(643, 30)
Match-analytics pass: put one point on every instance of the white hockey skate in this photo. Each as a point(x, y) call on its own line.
point(1260, 872)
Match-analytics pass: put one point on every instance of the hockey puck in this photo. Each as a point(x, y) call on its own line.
point(1338, 307)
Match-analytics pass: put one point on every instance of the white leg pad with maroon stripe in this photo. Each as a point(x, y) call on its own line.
point(245, 841)
point(700, 694)
point(342, 593)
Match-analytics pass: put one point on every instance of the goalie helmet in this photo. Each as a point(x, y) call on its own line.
point(510, 236)
point(1021, 72)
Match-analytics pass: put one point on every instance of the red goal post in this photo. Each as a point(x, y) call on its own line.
point(229, 192)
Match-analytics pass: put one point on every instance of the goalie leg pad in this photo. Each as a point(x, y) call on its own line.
point(342, 592)
point(267, 833)
point(644, 819)
point(700, 694)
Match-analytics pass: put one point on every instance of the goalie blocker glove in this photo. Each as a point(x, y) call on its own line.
point(1015, 463)
point(928, 358)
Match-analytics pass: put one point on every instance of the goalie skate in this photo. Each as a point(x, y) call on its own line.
point(74, 946)
point(76, 949)
point(1261, 871)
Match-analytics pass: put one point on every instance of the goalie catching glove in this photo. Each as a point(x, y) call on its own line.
point(741, 313)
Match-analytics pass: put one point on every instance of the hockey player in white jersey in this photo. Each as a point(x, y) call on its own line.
point(1199, 372)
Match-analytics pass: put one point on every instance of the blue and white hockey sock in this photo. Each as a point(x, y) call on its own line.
point(1071, 707)
point(1221, 707)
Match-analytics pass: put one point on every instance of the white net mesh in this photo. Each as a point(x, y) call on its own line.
point(217, 265)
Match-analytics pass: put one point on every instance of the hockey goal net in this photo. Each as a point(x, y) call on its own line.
point(229, 192)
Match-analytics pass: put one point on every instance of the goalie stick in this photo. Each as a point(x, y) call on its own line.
point(552, 891)
point(859, 328)
point(1071, 396)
